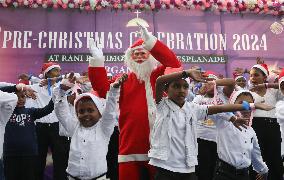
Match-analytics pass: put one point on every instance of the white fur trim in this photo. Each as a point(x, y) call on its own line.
point(133, 157)
point(239, 77)
point(236, 94)
point(138, 47)
point(93, 62)
point(261, 68)
point(98, 101)
point(49, 68)
point(212, 76)
point(150, 43)
point(150, 103)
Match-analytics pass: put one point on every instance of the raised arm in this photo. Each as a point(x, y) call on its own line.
point(159, 50)
point(62, 111)
point(8, 102)
point(41, 112)
point(165, 79)
point(110, 113)
point(238, 107)
point(229, 85)
point(96, 70)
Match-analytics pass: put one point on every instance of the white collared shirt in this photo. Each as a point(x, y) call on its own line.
point(238, 148)
point(89, 146)
point(8, 102)
point(41, 101)
point(173, 141)
point(206, 128)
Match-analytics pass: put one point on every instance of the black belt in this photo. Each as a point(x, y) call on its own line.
point(90, 179)
point(231, 169)
point(47, 124)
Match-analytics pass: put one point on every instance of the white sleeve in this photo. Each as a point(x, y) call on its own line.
point(62, 111)
point(8, 102)
point(200, 111)
point(109, 115)
point(221, 118)
point(256, 159)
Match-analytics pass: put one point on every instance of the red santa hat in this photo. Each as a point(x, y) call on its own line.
point(281, 77)
point(263, 68)
point(211, 75)
point(137, 44)
point(48, 66)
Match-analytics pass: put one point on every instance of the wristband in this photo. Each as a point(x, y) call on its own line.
point(184, 75)
point(245, 105)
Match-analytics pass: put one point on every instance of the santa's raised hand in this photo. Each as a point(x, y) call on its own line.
point(97, 59)
point(145, 34)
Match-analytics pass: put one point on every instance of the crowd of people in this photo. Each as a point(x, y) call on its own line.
point(159, 121)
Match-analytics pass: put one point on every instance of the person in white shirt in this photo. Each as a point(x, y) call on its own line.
point(8, 102)
point(265, 123)
point(213, 93)
point(280, 109)
point(47, 128)
point(238, 148)
point(91, 132)
point(174, 138)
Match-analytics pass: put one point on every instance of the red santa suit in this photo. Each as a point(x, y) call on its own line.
point(137, 106)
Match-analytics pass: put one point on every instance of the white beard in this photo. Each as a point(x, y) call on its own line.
point(144, 70)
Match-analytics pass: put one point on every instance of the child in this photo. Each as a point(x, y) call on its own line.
point(20, 142)
point(91, 133)
point(174, 140)
point(237, 150)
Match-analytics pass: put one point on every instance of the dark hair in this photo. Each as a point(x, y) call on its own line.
point(83, 100)
point(246, 94)
point(260, 71)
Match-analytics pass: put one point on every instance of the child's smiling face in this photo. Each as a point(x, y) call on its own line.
point(177, 91)
point(87, 112)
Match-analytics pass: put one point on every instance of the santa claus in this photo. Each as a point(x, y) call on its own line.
point(136, 102)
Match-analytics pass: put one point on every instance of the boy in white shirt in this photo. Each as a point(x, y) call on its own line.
point(174, 139)
point(91, 133)
point(238, 149)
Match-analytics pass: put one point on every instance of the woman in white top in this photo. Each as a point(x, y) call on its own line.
point(265, 123)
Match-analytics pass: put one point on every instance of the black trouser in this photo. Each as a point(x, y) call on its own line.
point(112, 155)
point(269, 139)
point(1, 169)
point(48, 136)
point(207, 156)
point(163, 174)
point(20, 167)
point(225, 171)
